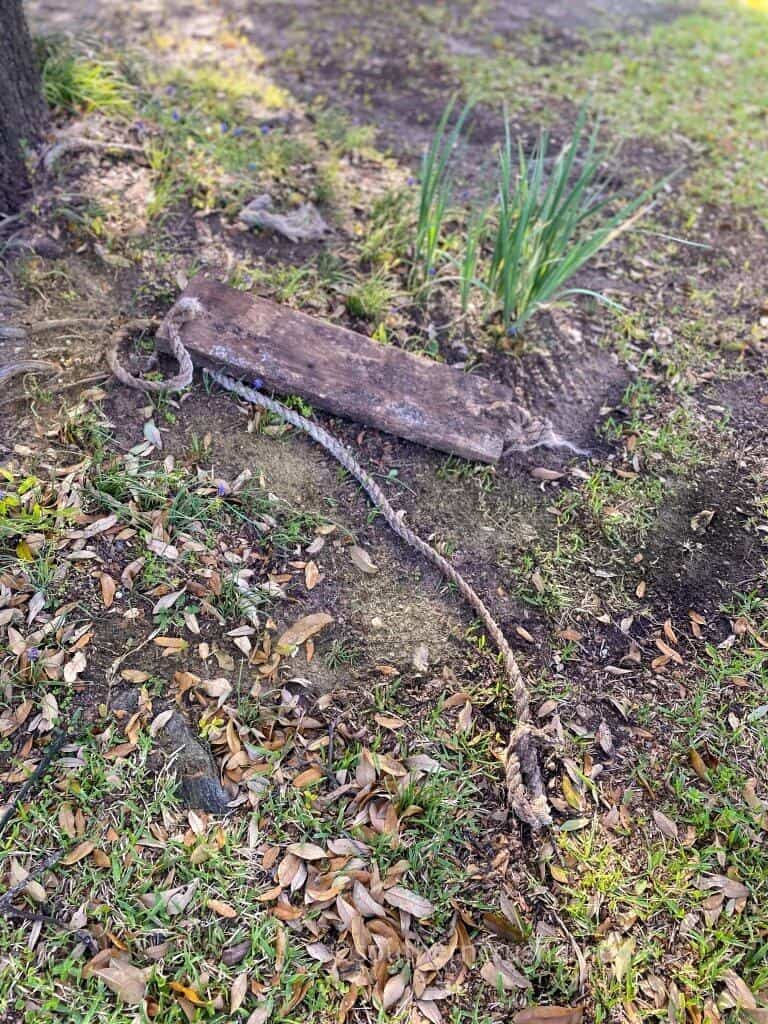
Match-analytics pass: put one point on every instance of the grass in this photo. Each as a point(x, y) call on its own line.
point(456, 469)
point(435, 190)
point(718, 823)
point(77, 84)
point(137, 491)
point(713, 62)
point(371, 298)
point(27, 505)
point(112, 892)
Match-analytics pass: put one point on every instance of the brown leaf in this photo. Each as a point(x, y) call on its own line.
point(670, 633)
point(238, 992)
point(394, 989)
point(307, 851)
point(429, 1009)
point(307, 777)
point(131, 571)
point(347, 1003)
point(171, 643)
point(261, 1014)
point(739, 991)
point(167, 601)
point(466, 946)
point(302, 630)
point(319, 951)
point(236, 954)
point(410, 902)
point(79, 852)
point(549, 1015)
point(697, 763)
point(503, 973)
point(365, 903)
point(420, 658)
point(604, 738)
point(133, 675)
point(129, 983)
point(362, 560)
point(437, 956)
point(665, 825)
point(187, 992)
point(221, 908)
point(498, 924)
point(311, 575)
point(67, 820)
point(159, 721)
point(108, 588)
point(669, 651)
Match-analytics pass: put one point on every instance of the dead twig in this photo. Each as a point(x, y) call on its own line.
point(57, 325)
point(78, 933)
point(31, 784)
point(8, 897)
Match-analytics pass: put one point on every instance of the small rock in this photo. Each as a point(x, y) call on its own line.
point(421, 658)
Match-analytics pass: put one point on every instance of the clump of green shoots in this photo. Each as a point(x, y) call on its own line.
point(547, 225)
point(73, 83)
point(548, 218)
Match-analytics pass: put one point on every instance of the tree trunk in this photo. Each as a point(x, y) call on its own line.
point(21, 103)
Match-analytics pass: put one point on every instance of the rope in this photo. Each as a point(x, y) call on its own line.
point(525, 786)
point(181, 312)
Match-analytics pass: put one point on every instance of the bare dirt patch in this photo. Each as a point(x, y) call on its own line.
point(703, 546)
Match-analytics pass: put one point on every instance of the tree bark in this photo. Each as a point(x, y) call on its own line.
point(21, 103)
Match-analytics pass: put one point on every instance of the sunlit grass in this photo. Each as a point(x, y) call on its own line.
point(75, 83)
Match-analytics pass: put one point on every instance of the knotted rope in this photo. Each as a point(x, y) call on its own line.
point(525, 786)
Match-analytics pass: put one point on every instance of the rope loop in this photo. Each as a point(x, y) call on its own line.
point(185, 309)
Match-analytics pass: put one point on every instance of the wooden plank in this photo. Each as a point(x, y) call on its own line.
point(347, 374)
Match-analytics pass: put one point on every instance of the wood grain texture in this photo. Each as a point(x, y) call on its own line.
point(347, 374)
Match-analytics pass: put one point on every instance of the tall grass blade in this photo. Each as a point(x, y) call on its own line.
point(435, 191)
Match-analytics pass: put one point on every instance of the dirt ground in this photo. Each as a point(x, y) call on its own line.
point(630, 581)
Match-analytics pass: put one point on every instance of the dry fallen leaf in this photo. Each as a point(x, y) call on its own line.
point(504, 974)
point(108, 589)
point(129, 983)
point(238, 992)
point(159, 721)
point(307, 851)
point(302, 630)
point(665, 825)
point(410, 902)
point(549, 1015)
point(697, 763)
point(503, 927)
point(74, 667)
point(362, 560)
point(394, 989)
point(311, 575)
point(739, 991)
point(221, 908)
point(167, 601)
point(420, 658)
point(80, 851)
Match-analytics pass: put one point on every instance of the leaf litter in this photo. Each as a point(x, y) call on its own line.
point(363, 920)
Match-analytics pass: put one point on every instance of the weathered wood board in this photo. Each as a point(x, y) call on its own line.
point(348, 374)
